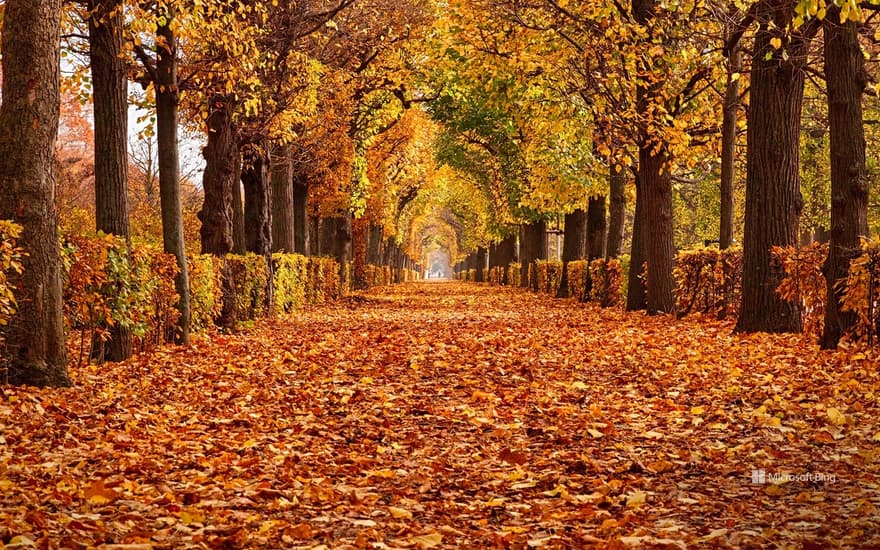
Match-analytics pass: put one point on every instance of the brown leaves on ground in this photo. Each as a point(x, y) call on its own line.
point(449, 415)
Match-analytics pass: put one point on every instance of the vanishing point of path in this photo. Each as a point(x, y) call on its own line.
point(452, 416)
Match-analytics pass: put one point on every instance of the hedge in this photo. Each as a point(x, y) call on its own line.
point(708, 280)
point(549, 276)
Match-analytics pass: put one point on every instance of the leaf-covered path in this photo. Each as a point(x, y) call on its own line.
point(450, 415)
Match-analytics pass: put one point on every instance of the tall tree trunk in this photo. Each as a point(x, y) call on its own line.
point(167, 98)
point(110, 100)
point(659, 247)
point(282, 203)
point(374, 250)
point(636, 295)
point(728, 146)
point(218, 180)
point(596, 227)
point(616, 209)
point(327, 236)
point(342, 246)
point(300, 213)
point(846, 77)
point(258, 213)
point(574, 245)
point(360, 237)
point(239, 241)
point(506, 250)
point(35, 348)
point(773, 198)
point(480, 263)
point(533, 247)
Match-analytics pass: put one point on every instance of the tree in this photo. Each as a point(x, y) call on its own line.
point(110, 99)
point(36, 349)
point(846, 77)
point(773, 199)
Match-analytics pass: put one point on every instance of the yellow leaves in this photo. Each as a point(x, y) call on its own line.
point(399, 513)
point(636, 499)
point(835, 416)
point(776, 42)
point(98, 493)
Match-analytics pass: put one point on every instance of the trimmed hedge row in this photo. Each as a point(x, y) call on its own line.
point(708, 280)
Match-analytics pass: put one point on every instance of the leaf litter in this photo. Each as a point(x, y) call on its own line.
point(449, 415)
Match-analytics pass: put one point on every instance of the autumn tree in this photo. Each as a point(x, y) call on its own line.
point(35, 353)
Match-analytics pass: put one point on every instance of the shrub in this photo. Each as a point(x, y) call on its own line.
point(605, 277)
point(862, 290)
point(11, 256)
point(549, 276)
point(205, 290)
point(803, 282)
point(513, 274)
point(708, 280)
point(578, 273)
point(249, 274)
point(290, 282)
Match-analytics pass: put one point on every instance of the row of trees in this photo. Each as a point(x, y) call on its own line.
point(552, 106)
point(303, 109)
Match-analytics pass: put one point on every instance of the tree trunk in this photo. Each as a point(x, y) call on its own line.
point(257, 201)
point(282, 203)
point(300, 213)
point(258, 214)
point(574, 245)
point(596, 227)
point(636, 295)
point(360, 237)
point(35, 348)
point(167, 98)
point(327, 236)
point(480, 263)
point(218, 181)
point(728, 147)
point(845, 73)
point(616, 210)
point(342, 246)
point(110, 100)
point(506, 251)
point(374, 250)
point(659, 246)
point(533, 247)
point(239, 240)
point(773, 199)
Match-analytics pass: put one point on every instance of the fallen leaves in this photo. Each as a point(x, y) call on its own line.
point(528, 423)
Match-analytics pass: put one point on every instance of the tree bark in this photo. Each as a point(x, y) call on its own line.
point(282, 203)
point(574, 245)
point(35, 348)
point(374, 250)
point(480, 263)
point(773, 199)
point(846, 77)
point(616, 210)
point(360, 244)
point(533, 247)
point(596, 227)
point(659, 247)
point(506, 256)
point(327, 236)
point(218, 181)
point(167, 100)
point(636, 296)
point(110, 101)
point(257, 212)
point(342, 246)
point(239, 245)
point(728, 147)
point(301, 233)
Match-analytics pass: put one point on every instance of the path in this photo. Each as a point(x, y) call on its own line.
point(451, 415)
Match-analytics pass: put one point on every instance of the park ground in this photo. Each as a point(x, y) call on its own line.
point(452, 415)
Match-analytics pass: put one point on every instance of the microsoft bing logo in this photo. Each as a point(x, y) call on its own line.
point(759, 477)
